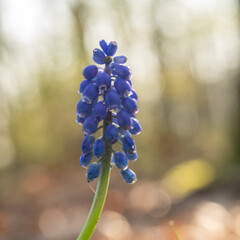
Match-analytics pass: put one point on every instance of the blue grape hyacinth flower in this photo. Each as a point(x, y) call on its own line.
point(128, 175)
point(85, 159)
point(108, 102)
point(120, 160)
point(99, 148)
point(93, 171)
point(87, 144)
point(111, 134)
point(90, 72)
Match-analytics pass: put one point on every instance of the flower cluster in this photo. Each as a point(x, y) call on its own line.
point(108, 96)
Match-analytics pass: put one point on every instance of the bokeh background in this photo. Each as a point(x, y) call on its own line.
point(184, 55)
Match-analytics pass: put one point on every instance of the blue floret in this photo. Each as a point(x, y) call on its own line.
point(85, 159)
point(90, 125)
point(120, 59)
point(99, 147)
point(128, 176)
point(90, 93)
point(135, 126)
point(124, 119)
point(128, 144)
point(99, 111)
point(103, 44)
point(87, 144)
point(103, 81)
point(121, 70)
point(93, 171)
point(112, 48)
point(98, 56)
point(83, 109)
point(120, 160)
point(123, 87)
point(111, 134)
point(112, 100)
point(130, 105)
point(90, 71)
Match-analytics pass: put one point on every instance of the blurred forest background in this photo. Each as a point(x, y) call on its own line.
point(185, 59)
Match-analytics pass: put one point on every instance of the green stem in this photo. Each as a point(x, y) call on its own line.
point(99, 199)
point(101, 192)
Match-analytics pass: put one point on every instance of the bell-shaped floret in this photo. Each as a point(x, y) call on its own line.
point(103, 81)
point(135, 127)
point(112, 48)
point(93, 171)
point(83, 85)
point(99, 111)
point(90, 72)
point(120, 70)
point(128, 176)
point(80, 120)
point(123, 87)
point(123, 132)
point(83, 109)
point(128, 144)
point(85, 159)
point(124, 119)
point(130, 105)
point(90, 125)
point(120, 160)
point(99, 147)
point(131, 156)
point(98, 56)
point(90, 93)
point(134, 95)
point(112, 100)
point(111, 134)
point(130, 82)
point(87, 144)
point(120, 59)
point(103, 44)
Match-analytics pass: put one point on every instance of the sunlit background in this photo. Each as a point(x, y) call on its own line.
point(185, 59)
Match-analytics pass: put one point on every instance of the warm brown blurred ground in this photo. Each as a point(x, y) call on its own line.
point(53, 204)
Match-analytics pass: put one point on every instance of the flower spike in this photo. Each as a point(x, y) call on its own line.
point(108, 97)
